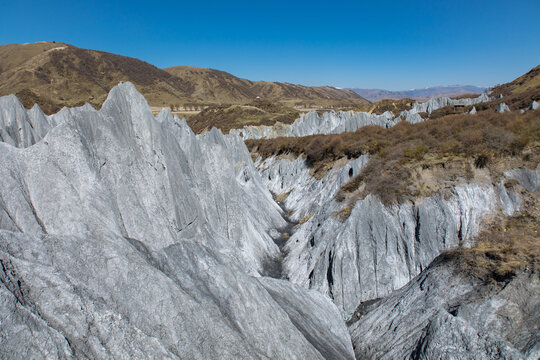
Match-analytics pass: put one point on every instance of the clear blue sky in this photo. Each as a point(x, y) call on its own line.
point(368, 44)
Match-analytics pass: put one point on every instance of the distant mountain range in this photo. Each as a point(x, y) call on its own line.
point(54, 74)
point(419, 94)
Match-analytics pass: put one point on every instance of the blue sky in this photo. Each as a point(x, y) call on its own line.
point(368, 44)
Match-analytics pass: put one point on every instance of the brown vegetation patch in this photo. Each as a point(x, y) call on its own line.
point(398, 151)
point(28, 98)
point(281, 197)
point(226, 117)
point(305, 219)
point(450, 110)
point(64, 75)
point(395, 106)
point(503, 250)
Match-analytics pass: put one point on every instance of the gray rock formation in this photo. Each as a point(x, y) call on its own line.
point(534, 105)
point(502, 107)
point(20, 127)
point(333, 123)
point(509, 192)
point(378, 248)
point(311, 123)
point(442, 101)
point(307, 309)
point(529, 179)
point(436, 103)
point(126, 236)
point(473, 111)
point(445, 314)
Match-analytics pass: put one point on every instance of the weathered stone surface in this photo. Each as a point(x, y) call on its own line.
point(502, 107)
point(333, 123)
point(126, 236)
point(445, 314)
point(528, 178)
point(311, 123)
point(308, 308)
point(115, 297)
point(378, 248)
point(19, 127)
point(534, 105)
point(442, 101)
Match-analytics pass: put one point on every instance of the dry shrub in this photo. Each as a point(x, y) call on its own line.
point(343, 214)
point(481, 137)
point(503, 250)
point(305, 219)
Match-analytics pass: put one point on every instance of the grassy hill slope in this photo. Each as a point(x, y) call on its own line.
point(55, 74)
point(221, 87)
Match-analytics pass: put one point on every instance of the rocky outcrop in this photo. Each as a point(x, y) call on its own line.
point(377, 248)
point(502, 107)
point(534, 105)
point(510, 195)
point(311, 123)
point(314, 316)
point(442, 101)
point(125, 235)
point(20, 127)
point(333, 123)
point(446, 314)
point(436, 103)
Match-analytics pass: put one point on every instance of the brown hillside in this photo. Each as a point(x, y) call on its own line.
point(56, 74)
point(519, 94)
point(224, 88)
point(449, 145)
point(528, 81)
point(226, 117)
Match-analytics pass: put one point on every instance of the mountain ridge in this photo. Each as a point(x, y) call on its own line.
point(54, 74)
point(244, 88)
point(419, 94)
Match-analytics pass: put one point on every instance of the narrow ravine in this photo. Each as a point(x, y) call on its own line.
point(274, 267)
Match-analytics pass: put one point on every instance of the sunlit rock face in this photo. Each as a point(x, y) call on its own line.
point(378, 248)
point(337, 122)
point(442, 101)
point(502, 107)
point(20, 127)
point(313, 123)
point(444, 313)
point(125, 235)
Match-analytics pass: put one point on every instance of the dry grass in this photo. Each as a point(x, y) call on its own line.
point(281, 197)
point(227, 117)
point(56, 75)
point(479, 139)
point(395, 106)
point(503, 250)
point(305, 219)
point(343, 214)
